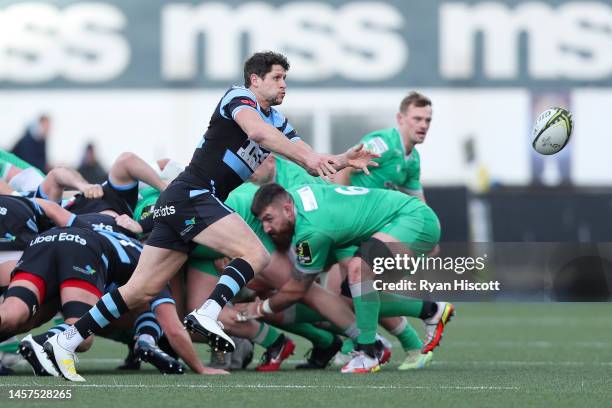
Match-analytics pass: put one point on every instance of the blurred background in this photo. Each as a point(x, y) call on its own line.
point(95, 79)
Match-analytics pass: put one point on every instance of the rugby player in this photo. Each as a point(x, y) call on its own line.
point(244, 128)
point(319, 219)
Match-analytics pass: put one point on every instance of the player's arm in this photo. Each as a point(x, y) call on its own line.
point(129, 168)
point(272, 139)
point(343, 177)
point(60, 216)
point(64, 178)
point(178, 337)
point(419, 193)
point(5, 189)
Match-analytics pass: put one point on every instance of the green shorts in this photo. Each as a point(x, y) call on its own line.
point(418, 228)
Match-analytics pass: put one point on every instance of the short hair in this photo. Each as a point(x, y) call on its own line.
point(415, 99)
point(266, 195)
point(261, 63)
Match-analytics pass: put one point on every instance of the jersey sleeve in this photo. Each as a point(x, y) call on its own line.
point(311, 252)
point(282, 124)
point(377, 144)
point(413, 179)
point(236, 100)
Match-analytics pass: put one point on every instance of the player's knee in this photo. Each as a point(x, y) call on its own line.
point(11, 318)
point(260, 259)
point(125, 157)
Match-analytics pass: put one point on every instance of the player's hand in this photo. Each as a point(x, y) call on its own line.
point(92, 190)
point(213, 371)
point(250, 311)
point(359, 158)
point(124, 221)
point(322, 165)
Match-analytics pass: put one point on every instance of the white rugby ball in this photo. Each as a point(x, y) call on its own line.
point(552, 131)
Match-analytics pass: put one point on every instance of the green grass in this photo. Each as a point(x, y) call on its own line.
point(493, 355)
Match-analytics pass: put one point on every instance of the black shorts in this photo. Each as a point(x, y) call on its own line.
point(61, 255)
point(182, 212)
point(120, 199)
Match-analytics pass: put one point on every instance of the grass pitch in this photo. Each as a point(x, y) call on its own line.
point(492, 355)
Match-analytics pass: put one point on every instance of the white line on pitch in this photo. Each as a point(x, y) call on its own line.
point(290, 386)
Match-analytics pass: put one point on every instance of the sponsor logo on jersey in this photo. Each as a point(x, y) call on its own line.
point(62, 237)
point(148, 210)
point(302, 251)
point(190, 221)
point(252, 154)
point(164, 211)
point(8, 238)
point(3, 211)
point(248, 102)
point(103, 226)
point(377, 145)
point(88, 270)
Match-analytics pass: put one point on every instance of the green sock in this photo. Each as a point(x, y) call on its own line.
point(367, 306)
point(9, 346)
point(407, 336)
point(347, 346)
point(304, 314)
point(392, 305)
point(318, 337)
point(266, 335)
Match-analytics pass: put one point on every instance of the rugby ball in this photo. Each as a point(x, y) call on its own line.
point(552, 131)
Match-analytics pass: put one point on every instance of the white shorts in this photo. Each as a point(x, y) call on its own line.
point(6, 256)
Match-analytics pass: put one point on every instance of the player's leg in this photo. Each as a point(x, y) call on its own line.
point(63, 178)
point(232, 237)
point(202, 278)
point(8, 260)
point(419, 230)
point(21, 300)
point(155, 267)
point(128, 169)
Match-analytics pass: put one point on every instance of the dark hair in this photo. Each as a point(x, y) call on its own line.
point(261, 63)
point(266, 195)
point(414, 99)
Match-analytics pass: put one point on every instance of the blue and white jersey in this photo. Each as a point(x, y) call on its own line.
point(226, 157)
point(120, 254)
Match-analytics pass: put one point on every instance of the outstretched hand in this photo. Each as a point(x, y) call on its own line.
point(360, 158)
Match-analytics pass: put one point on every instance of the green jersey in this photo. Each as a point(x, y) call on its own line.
point(146, 201)
point(8, 160)
point(394, 165)
point(331, 217)
point(289, 174)
point(240, 201)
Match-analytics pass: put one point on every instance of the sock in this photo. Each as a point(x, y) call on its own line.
point(407, 336)
point(429, 309)
point(41, 338)
point(300, 313)
point(235, 275)
point(146, 325)
point(109, 308)
point(392, 305)
point(367, 306)
point(147, 338)
point(266, 335)
point(352, 332)
point(318, 337)
point(10, 346)
point(347, 346)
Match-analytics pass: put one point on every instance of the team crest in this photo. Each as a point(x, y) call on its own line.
point(303, 253)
